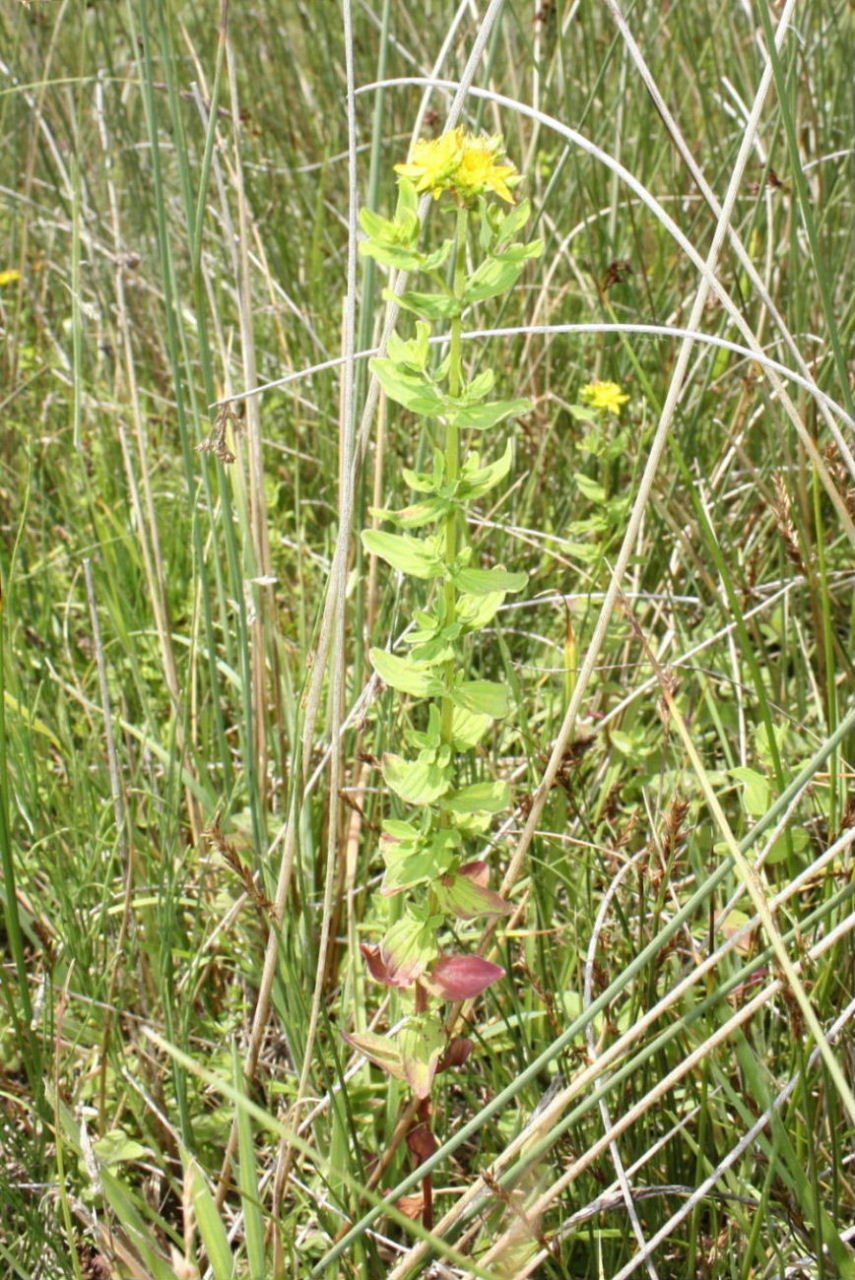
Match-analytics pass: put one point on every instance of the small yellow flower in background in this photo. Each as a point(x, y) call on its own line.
point(9, 277)
point(604, 395)
point(460, 163)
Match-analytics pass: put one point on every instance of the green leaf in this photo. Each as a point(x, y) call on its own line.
point(477, 480)
point(414, 352)
point(210, 1224)
point(413, 390)
point(480, 386)
point(482, 582)
point(407, 949)
point(251, 1195)
point(407, 208)
point(464, 897)
point(590, 489)
point(392, 255)
point(416, 516)
point(417, 557)
point(422, 1041)
point(479, 417)
point(439, 257)
point(439, 648)
point(430, 306)
point(380, 1050)
point(477, 612)
point(422, 481)
point(756, 793)
point(498, 274)
point(405, 675)
point(416, 781)
point(480, 797)
point(116, 1147)
point(468, 728)
point(483, 696)
point(409, 862)
point(511, 224)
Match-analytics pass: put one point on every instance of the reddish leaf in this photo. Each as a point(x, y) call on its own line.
point(456, 1053)
point(376, 967)
point(463, 977)
point(421, 1141)
point(412, 1206)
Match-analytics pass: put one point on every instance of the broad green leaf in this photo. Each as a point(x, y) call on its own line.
point(407, 208)
point(430, 306)
point(590, 489)
point(408, 865)
point(395, 829)
point(497, 274)
point(412, 390)
point(479, 417)
point(480, 797)
point(511, 224)
point(377, 227)
point(468, 728)
point(405, 675)
point(484, 696)
point(421, 1043)
point(116, 1147)
point(482, 582)
point(420, 481)
point(417, 557)
point(438, 649)
point(416, 781)
point(392, 255)
point(439, 257)
point(480, 386)
point(429, 739)
point(407, 950)
point(798, 841)
point(479, 611)
point(416, 516)
point(380, 1050)
point(461, 896)
point(477, 480)
point(756, 791)
point(412, 352)
point(407, 873)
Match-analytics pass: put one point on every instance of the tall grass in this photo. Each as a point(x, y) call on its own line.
point(189, 797)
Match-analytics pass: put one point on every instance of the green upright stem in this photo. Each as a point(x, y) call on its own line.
point(452, 460)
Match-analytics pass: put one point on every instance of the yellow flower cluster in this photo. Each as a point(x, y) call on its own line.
point(461, 163)
point(604, 395)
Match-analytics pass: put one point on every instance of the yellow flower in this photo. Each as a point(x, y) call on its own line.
point(478, 172)
point(604, 395)
point(8, 277)
point(460, 163)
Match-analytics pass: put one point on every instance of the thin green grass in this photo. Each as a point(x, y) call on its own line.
point(189, 801)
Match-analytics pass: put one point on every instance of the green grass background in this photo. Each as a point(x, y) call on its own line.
point(190, 803)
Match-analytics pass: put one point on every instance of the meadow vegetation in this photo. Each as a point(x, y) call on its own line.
point(192, 728)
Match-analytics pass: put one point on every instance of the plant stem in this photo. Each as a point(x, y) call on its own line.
point(452, 461)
